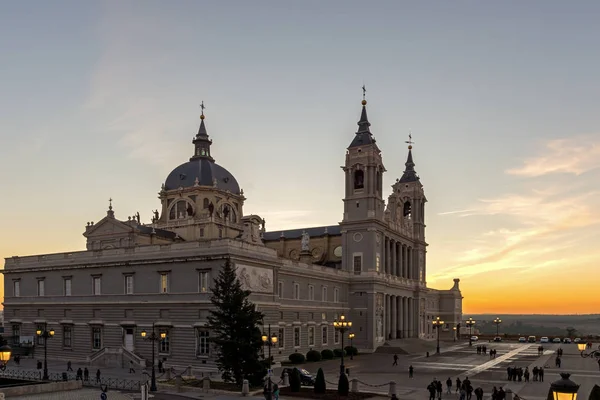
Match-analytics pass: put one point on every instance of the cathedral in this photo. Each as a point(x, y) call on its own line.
point(133, 276)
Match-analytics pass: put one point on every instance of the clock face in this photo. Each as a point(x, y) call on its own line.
point(337, 251)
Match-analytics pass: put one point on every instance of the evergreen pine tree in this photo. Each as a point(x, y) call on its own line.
point(234, 324)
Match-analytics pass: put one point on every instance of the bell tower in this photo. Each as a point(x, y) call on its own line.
point(363, 173)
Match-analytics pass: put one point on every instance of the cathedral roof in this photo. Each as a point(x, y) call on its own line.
point(202, 170)
point(363, 134)
point(316, 231)
point(409, 175)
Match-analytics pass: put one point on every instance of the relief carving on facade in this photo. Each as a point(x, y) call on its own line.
point(255, 279)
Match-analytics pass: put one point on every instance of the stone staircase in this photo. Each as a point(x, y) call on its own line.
point(408, 346)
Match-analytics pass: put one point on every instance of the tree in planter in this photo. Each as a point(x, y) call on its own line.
point(234, 324)
point(295, 381)
point(343, 385)
point(320, 384)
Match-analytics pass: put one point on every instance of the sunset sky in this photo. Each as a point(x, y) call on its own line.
point(101, 99)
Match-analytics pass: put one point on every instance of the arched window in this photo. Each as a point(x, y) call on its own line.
point(379, 181)
point(359, 179)
point(407, 212)
point(227, 212)
point(205, 203)
point(181, 209)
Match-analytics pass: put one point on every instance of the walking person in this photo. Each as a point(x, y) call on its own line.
point(98, 376)
point(132, 371)
point(79, 375)
point(479, 393)
point(86, 374)
point(395, 359)
point(160, 367)
point(449, 385)
point(69, 366)
point(275, 392)
point(411, 371)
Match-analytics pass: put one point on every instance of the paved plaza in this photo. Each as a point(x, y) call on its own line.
point(374, 371)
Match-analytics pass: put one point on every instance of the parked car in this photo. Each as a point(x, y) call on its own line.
point(567, 340)
point(544, 339)
point(533, 339)
point(306, 378)
point(556, 340)
point(474, 338)
point(497, 339)
point(522, 339)
point(577, 340)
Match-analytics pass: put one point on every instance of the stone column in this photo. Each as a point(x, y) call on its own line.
point(383, 255)
point(393, 261)
point(410, 264)
point(405, 261)
point(398, 270)
point(394, 317)
point(399, 317)
point(386, 315)
point(411, 322)
point(388, 257)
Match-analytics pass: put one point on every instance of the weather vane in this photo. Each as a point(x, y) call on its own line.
point(110, 203)
point(409, 141)
point(364, 91)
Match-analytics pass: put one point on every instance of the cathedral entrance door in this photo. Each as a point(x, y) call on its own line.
point(128, 339)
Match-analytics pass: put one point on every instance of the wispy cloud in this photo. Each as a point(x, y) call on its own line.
point(575, 155)
point(534, 229)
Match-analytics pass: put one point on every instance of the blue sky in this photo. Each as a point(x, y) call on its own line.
point(100, 99)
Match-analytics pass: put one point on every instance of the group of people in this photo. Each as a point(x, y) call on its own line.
point(274, 391)
point(519, 374)
point(463, 388)
point(483, 350)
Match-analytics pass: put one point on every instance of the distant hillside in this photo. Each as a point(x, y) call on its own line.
point(537, 324)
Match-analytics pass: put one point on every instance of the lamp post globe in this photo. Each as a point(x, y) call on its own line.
point(351, 337)
point(594, 353)
point(5, 353)
point(470, 322)
point(564, 388)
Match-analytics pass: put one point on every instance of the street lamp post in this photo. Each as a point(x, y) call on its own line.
point(497, 321)
point(564, 388)
point(351, 336)
point(269, 340)
point(594, 353)
point(46, 334)
point(437, 324)
point(454, 337)
point(153, 337)
point(470, 322)
point(5, 352)
point(342, 326)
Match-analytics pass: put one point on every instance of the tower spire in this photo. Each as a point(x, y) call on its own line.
point(409, 175)
point(363, 134)
point(201, 141)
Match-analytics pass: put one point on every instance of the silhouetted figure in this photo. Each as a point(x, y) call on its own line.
point(69, 366)
point(98, 376)
point(395, 359)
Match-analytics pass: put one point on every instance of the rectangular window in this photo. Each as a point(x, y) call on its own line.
point(297, 336)
point(164, 346)
point(324, 336)
point(40, 327)
point(357, 264)
point(296, 291)
point(67, 335)
point(97, 285)
point(324, 293)
point(336, 295)
point(202, 342)
point(377, 262)
point(311, 292)
point(17, 288)
point(220, 233)
point(281, 338)
point(96, 338)
point(280, 289)
point(164, 282)
point(16, 333)
point(41, 287)
point(128, 284)
point(336, 337)
point(67, 286)
point(324, 316)
point(311, 335)
point(203, 281)
point(201, 232)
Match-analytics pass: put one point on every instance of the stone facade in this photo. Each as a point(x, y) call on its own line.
point(371, 267)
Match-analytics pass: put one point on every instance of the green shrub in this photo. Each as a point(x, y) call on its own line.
point(297, 358)
point(338, 352)
point(343, 385)
point(313, 356)
point(351, 350)
point(295, 382)
point(327, 354)
point(320, 385)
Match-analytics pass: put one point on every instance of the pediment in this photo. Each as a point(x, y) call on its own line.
point(108, 227)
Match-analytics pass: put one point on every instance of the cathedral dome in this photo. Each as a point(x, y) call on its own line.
point(202, 172)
